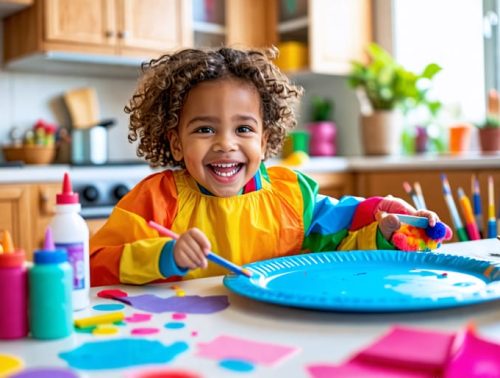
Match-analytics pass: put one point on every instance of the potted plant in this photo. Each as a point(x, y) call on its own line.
point(489, 132)
point(322, 129)
point(385, 88)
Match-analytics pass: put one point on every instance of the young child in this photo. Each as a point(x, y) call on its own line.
point(217, 115)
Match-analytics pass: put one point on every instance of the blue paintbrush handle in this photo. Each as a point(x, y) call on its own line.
point(226, 264)
point(421, 222)
point(492, 228)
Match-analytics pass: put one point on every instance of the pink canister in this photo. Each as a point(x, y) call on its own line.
point(13, 295)
point(322, 142)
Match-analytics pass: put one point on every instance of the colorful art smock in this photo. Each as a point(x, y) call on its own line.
point(279, 213)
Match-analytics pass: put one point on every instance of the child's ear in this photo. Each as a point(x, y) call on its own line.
point(175, 144)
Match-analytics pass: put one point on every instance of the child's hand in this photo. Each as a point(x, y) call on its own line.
point(191, 249)
point(389, 223)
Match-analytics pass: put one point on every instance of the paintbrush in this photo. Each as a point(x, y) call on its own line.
point(210, 256)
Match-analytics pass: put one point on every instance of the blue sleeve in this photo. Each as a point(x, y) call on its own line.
point(331, 215)
point(168, 267)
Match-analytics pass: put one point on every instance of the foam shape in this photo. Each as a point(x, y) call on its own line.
point(191, 304)
point(235, 348)
point(52, 372)
point(473, 356)
point(354, 369)
point(410, 348)
point(112, 293)
point(9, 364)
point(106, 354)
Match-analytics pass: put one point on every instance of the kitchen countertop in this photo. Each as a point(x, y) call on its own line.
point(54, 173)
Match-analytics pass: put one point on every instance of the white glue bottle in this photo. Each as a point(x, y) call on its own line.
point(71, 233)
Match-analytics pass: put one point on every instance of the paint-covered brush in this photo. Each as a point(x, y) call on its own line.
point(210, 256)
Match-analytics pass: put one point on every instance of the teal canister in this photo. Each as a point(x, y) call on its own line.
point(50, 284)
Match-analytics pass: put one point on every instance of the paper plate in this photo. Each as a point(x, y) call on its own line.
point(370, 281)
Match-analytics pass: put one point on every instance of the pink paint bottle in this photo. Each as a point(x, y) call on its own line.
point(13, 291)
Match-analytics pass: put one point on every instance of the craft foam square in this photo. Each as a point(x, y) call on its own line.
point(411, 348)
point(228, 347)
point(474, 357)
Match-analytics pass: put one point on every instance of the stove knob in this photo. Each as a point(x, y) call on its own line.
point(120, 190)
point(90, 193)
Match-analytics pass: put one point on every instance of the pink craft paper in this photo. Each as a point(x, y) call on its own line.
point(473, 357)
point(410, 348)
point(144, 331)
point(365, 370)
point(228, 347)
point(138, 318)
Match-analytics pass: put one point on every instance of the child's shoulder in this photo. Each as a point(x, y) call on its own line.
point(282, 173)
point(157, 182)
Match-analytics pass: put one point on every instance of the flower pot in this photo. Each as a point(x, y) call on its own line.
point(459, 138)
point(322, 142)
point(381, 132)
point(489, 138)
point(421, 139)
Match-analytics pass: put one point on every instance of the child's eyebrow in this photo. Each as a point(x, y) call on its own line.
point(203, 119)
point(245, 118)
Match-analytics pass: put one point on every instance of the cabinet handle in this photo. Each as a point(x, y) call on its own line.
point(109, 34)
point(46, 206)
point(123, 34)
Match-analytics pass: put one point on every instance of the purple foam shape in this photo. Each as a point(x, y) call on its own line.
point(191, 304)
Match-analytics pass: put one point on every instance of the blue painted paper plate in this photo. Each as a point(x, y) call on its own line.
point(370, 281)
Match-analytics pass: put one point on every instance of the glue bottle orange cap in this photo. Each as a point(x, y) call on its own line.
point(8, 245)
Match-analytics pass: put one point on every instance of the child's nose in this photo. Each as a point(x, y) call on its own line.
point(225, 142)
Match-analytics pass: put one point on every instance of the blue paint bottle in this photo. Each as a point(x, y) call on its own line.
point(50, 284)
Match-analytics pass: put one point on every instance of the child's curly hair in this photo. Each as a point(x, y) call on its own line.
point(156, 105)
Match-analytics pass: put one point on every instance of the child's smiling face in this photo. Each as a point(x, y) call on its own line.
point(220, 135)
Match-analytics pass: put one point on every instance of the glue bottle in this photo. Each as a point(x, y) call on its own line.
point(13, 290)
point(50, 284)
point(72, 234)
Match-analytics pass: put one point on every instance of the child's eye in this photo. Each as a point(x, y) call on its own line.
point(244, 129)
point(204, 130)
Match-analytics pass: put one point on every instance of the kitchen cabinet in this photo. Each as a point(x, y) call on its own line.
point(43, 201)
point(27, 209)
point(334, 184)
point(15, 214)
point(335, 32)
point(8, 7)
point(132, 28)
point(236, 23)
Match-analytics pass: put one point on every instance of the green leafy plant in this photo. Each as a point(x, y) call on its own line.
point(322, 109)
point(385, 84)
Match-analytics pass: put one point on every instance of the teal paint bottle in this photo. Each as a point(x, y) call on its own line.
point(50, 284)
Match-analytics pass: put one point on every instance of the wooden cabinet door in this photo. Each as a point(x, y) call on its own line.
point(43, 202)
point(339, 31)
point(158, 25)
point(15, 214)
point(251, 23)
point(84, 22)
point(334, 184)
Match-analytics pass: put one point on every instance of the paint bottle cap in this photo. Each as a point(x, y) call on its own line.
point(49, 254)
point(67, 196)
point(14, 259)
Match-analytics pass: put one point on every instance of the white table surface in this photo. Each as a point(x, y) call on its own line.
point(327, 337)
